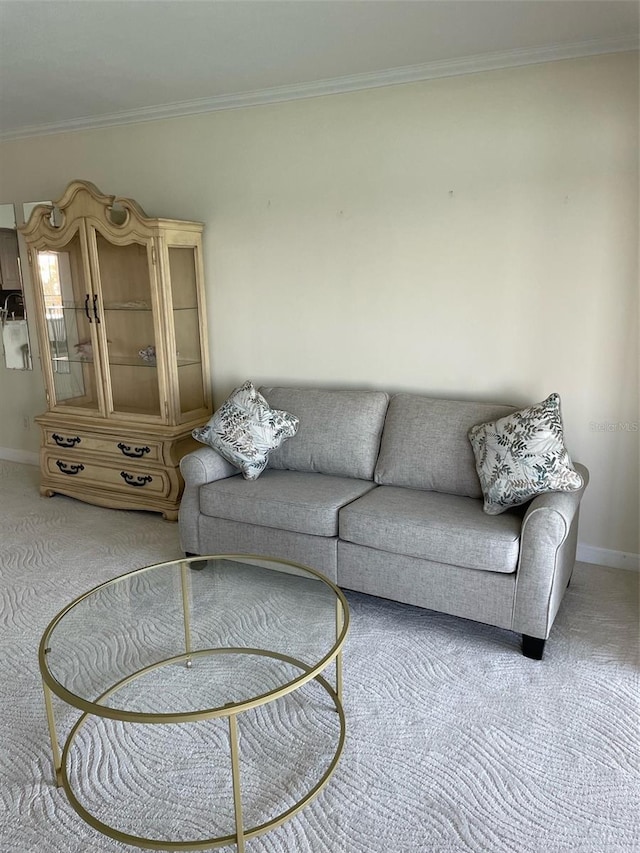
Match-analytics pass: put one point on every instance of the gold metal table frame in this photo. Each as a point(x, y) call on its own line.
point(231, 711)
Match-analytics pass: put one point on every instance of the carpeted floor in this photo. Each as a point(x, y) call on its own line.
point(455, 742)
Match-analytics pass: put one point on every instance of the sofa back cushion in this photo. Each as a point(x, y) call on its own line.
point(338, 433)
point(425, 445)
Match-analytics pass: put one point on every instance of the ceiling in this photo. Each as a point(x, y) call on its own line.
point(66, 64)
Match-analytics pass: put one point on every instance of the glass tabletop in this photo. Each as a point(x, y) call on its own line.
point(193, 638)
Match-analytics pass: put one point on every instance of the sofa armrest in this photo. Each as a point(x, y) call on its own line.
point(563, 504)
point(204, 465)
point(547, 556)
point(201, 466)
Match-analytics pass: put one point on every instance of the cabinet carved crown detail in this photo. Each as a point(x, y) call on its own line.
point(123, 344)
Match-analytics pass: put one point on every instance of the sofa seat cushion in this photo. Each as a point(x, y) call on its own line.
point(287, 500)
point(443, 528)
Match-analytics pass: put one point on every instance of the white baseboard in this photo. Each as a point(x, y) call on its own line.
point(25, 456)
point(606, 557)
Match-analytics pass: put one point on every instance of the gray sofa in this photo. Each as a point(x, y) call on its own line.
point(382, 495)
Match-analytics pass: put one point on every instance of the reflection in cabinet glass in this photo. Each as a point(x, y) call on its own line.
point(13, 317)
point(63, 291)
point(121, 324)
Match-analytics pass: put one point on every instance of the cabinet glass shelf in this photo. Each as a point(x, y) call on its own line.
point(122, 361)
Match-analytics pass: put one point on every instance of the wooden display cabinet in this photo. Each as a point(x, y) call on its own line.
point(122, 331)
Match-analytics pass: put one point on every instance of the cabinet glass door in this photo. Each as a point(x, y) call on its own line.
point(128, 328)
point(68, 319)
point(184, 295)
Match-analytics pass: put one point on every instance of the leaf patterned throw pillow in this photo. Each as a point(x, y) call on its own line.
point(523, 455)
point(245, 429)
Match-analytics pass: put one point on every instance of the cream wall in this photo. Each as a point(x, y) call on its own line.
point(471, 237)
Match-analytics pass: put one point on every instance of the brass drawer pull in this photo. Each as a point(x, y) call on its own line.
point(65, 442)
point(66, 468)
point(138, 481)
point(135, 453)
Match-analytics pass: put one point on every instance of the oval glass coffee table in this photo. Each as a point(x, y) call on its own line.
point(218, 643)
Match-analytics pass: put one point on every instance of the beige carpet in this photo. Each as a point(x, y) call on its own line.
point(455, 742)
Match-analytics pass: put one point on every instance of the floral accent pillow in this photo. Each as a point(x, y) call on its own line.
point(523, 455)
point(245, 429)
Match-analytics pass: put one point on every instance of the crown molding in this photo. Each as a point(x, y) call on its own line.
point(338, 85)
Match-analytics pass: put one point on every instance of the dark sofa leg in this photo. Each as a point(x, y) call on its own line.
point(197, 565)
point(532, 647)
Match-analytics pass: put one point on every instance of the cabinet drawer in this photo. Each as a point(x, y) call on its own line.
point(122, 477)
point(122, 448)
